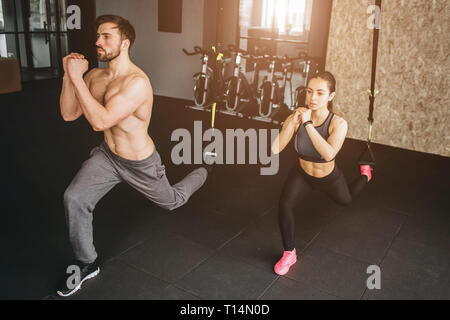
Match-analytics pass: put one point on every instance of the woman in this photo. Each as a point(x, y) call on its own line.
point(319, 136)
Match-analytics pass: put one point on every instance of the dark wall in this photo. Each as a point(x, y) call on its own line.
point(210, 23)
point(170, 16)
point(220, 22)
point(230, 14)
point(83, 40)
point(320, 26)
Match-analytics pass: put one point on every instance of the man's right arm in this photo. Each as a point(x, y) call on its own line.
point(69, 104)
point(70, 107)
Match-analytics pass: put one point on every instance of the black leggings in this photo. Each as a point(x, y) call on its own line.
point(297, 187)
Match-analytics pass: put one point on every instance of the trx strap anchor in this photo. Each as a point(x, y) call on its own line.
point(367, 157)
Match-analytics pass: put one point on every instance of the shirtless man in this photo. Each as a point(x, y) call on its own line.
point(118, 101)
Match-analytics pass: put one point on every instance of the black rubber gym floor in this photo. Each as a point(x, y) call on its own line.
point(224, 242)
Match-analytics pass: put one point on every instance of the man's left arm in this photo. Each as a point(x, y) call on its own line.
point(120, 106)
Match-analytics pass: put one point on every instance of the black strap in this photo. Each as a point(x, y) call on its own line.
point(376, 33)
point(367, 157)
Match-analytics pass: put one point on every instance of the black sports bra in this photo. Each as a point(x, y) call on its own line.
point(303, 144)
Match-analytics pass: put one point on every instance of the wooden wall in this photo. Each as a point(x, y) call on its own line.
point(412, 108)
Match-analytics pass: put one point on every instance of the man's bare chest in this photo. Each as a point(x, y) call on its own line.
point(103, 90)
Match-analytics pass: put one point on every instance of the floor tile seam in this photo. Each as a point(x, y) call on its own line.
point(244, 228)
point(323, 290)
point(376, 204)
point(177, 286)
point(385, 279)
point(392, 241)
point(132, 266)
point(308, 244)
point(387, 250)
point(342, 254)
point(300, 282)
point(268, 288)
point(220, 211)
point(126, 250)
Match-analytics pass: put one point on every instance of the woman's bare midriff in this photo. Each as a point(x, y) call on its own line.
point(135, 145)
point(317, 170)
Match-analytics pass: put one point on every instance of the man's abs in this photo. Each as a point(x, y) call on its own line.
point(129, 138)
point(135, 145)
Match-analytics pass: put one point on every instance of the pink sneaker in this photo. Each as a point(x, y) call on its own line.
point(366, 170)
point(289, 259)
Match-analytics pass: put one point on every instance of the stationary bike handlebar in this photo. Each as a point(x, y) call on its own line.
point(197, 50)
point(286, 59)
point(278, 59)
point(253, 57)
point(233, 48)
point(211, 53)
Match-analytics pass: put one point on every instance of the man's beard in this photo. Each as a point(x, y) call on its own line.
point(107, 57)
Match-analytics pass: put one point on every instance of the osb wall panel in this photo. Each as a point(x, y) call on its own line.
point(412, 108)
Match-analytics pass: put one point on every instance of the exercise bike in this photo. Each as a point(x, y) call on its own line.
point(300, 92)
point(237, 89)
point(209, 83)
point(272, 106)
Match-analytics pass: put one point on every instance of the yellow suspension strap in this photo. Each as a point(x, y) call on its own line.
point(215, 96)
point(214, 105)
point(367, 157)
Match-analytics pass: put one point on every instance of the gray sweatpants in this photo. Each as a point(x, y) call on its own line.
point(100, 173)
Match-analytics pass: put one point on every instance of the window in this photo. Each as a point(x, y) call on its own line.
point(288, 16)
point(282, 17)
point(3, 48)
point(38, 15)
point(274, 27)
point(33, 31)
point(2, 20)
point(3, 51)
